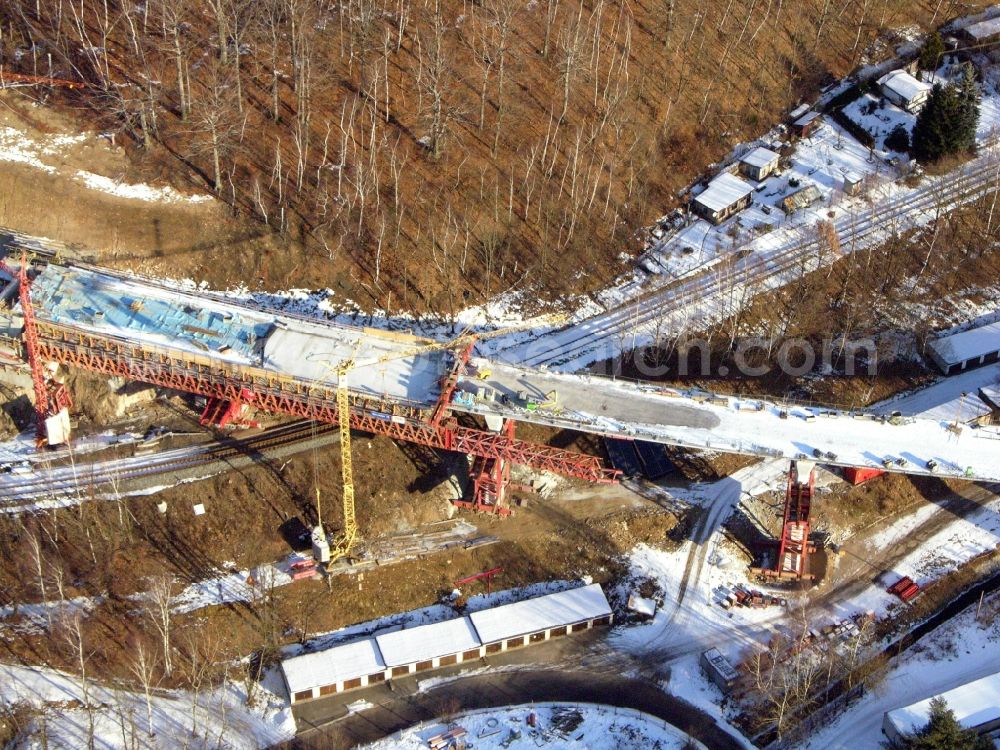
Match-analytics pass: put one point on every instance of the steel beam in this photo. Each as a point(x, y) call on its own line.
point(267, 391)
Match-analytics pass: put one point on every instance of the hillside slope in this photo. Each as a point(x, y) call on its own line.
point(426, 156)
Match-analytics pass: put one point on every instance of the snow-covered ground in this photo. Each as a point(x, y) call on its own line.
point(697, 575)
point(946, 551)
point(215, 718)
point(37, 617)
point(560, 726)
point(879, 118)
point(736, 425)
point(17, 147)
point(959, 652)
point(137, 191)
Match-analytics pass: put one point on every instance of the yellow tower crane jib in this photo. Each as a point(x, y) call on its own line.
point(344, 542)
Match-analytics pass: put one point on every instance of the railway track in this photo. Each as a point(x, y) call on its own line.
point(601, 336)
point(55, 483)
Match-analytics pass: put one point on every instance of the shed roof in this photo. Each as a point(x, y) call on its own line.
point(990, 394)
point(807, 118)
point(724, 191)
point(721, 664)
point(974, 704)
point(905, 85)
point(984, 29)
point(800, 198)
point(424, 642)
point(541, 613)
point(965, 409)
point(336, 664)
point(799, 111)
point(959, 347)
point(760, 157)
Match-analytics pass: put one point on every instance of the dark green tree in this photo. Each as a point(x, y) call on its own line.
point(969, 97)
point(947, 123)
point(898, 139)
point(943, 732)
point(931, 52)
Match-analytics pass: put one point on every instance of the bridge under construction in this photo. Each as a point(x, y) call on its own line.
point(413, 389)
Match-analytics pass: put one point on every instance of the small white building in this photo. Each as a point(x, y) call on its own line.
point(966, 349)
point(719, 669)
point(540, 619)
point(333, 670)
point(976, 706)
point(424, 647)
point(905, 91)
point(981, 33)
point(759, 163)
point(725, 195)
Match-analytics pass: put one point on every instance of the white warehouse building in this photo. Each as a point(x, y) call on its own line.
point(406, 651)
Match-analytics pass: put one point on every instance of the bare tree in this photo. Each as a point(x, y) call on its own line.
point(158, 608)
point(217, 123)
point(434, 79)
point(73, 637)
point(142, 664)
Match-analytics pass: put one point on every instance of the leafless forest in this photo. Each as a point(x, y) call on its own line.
point(440, 152)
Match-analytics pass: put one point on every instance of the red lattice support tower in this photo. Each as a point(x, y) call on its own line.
point(793, 550)
point(190, 373)
point(491, 481)
point(32, 349)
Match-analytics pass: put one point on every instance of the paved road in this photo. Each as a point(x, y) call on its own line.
point(396, 712)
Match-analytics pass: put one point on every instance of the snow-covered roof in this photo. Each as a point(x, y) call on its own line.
point(965, 409)
point(641, 605)
point(332, 665)
point(541, 613)
point(807, 118)
point(800, 198)
point(724, 191)
point(760, 157)
point(799, 111)
point(959, 347)
point(991, 395)
point(984, 29)
point(721, 664)
point(974, 704)
point(903, 84)
point(424, 642)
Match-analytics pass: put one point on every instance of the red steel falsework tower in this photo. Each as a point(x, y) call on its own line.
point(51, 397)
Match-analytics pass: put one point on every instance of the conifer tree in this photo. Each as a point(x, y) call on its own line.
point(947, 123)
point(943, 732)
point(931, 52)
